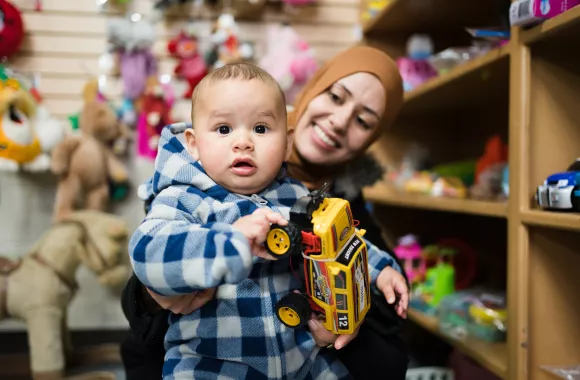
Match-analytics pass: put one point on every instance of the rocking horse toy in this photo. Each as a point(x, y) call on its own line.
point(39, 287)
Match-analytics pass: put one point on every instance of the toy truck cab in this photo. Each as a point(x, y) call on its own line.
point(334, 265)
point(561, 191)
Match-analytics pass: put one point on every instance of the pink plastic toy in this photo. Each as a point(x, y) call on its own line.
point(415, 72)
point(410, 252)
point(529, 12)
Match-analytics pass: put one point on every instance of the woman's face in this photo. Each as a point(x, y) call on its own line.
point(339, 123)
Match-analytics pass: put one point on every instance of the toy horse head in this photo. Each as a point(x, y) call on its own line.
point(105, 241)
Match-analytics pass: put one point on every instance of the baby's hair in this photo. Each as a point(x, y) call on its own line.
point(241, 71)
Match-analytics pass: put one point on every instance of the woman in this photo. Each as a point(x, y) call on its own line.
point(342, 110)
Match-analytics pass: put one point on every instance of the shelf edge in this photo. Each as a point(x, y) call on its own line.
point(551, 26)
point(553, 219)
point(370, 26)
point(463, 69)
point(462, 206)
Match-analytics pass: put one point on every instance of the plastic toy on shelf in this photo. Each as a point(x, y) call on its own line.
point(531, 12)
point(451, 187)
point(561, 191)
point(415, 68)
point(488, 318)
point(476, 312)
point(410, 252)
point(451, 266)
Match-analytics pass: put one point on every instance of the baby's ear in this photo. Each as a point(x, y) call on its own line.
point(289, 142)
point(191, 143)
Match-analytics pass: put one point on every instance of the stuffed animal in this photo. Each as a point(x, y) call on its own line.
point(20, 147)
point(38, 288)
point(132, 42)
point(11, 29)
point(191, 66)
point(288, 59)
point(86, 163)
point(226, 45)
point(154, 114)
point(27, 130)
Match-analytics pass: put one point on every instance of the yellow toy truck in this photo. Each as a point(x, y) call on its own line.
point(333, 265)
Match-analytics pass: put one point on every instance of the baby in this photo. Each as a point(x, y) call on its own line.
point(215, 194)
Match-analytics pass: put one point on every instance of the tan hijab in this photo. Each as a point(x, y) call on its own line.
point(354, 60)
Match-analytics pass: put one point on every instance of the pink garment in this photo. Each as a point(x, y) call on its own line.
point(143, 146)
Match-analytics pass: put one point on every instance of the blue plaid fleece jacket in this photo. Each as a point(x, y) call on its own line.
point(187, 243)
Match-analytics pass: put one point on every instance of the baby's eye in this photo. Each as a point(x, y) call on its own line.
point(224, 129)
point(260, 128)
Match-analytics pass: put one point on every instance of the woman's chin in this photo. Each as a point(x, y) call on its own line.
point(316, 156)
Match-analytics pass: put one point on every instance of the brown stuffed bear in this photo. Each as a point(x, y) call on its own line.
point(86, 164)
point(39, 287)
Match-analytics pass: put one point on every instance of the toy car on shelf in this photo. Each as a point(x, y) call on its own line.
point(333, 263)
point(561, 191)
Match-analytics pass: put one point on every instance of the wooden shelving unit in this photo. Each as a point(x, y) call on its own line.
point(496, 59)
point(528, 92)
point(382, 194)
point(565, 221)
point(565, 24)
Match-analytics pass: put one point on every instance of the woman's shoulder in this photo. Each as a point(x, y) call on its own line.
point(362, 172)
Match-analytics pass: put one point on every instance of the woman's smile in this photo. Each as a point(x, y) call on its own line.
point(322, 139)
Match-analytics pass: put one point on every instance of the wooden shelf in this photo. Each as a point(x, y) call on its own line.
point(383, 194)
point(554, 219)
point(433, 15)
point(465, 85)
point(492, 356)
point(527, 92)
point(565, 26)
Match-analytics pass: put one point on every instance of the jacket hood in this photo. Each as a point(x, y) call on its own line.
point(174, 166)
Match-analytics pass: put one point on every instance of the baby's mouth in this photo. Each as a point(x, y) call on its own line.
point(243, 167)
point(243, 164)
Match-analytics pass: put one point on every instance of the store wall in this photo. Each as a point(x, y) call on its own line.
point(65, 41)
point(63, 45)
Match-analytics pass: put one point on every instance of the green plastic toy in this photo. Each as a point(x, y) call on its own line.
point(439, 280)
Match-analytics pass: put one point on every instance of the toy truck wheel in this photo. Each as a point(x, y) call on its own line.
point(284, 241)
point(293, 310)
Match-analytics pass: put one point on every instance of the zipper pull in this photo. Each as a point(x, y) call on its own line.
point(259, 200)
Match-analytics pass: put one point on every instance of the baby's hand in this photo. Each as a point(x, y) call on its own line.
point(255, 228)
point(393, 286)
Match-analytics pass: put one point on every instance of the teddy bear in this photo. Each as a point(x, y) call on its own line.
point(86, 163)
point(39, 287)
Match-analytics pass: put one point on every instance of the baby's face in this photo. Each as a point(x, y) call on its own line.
point(240, 134)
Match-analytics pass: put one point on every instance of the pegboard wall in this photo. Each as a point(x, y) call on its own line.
point(63, 44)
point(65, 40)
